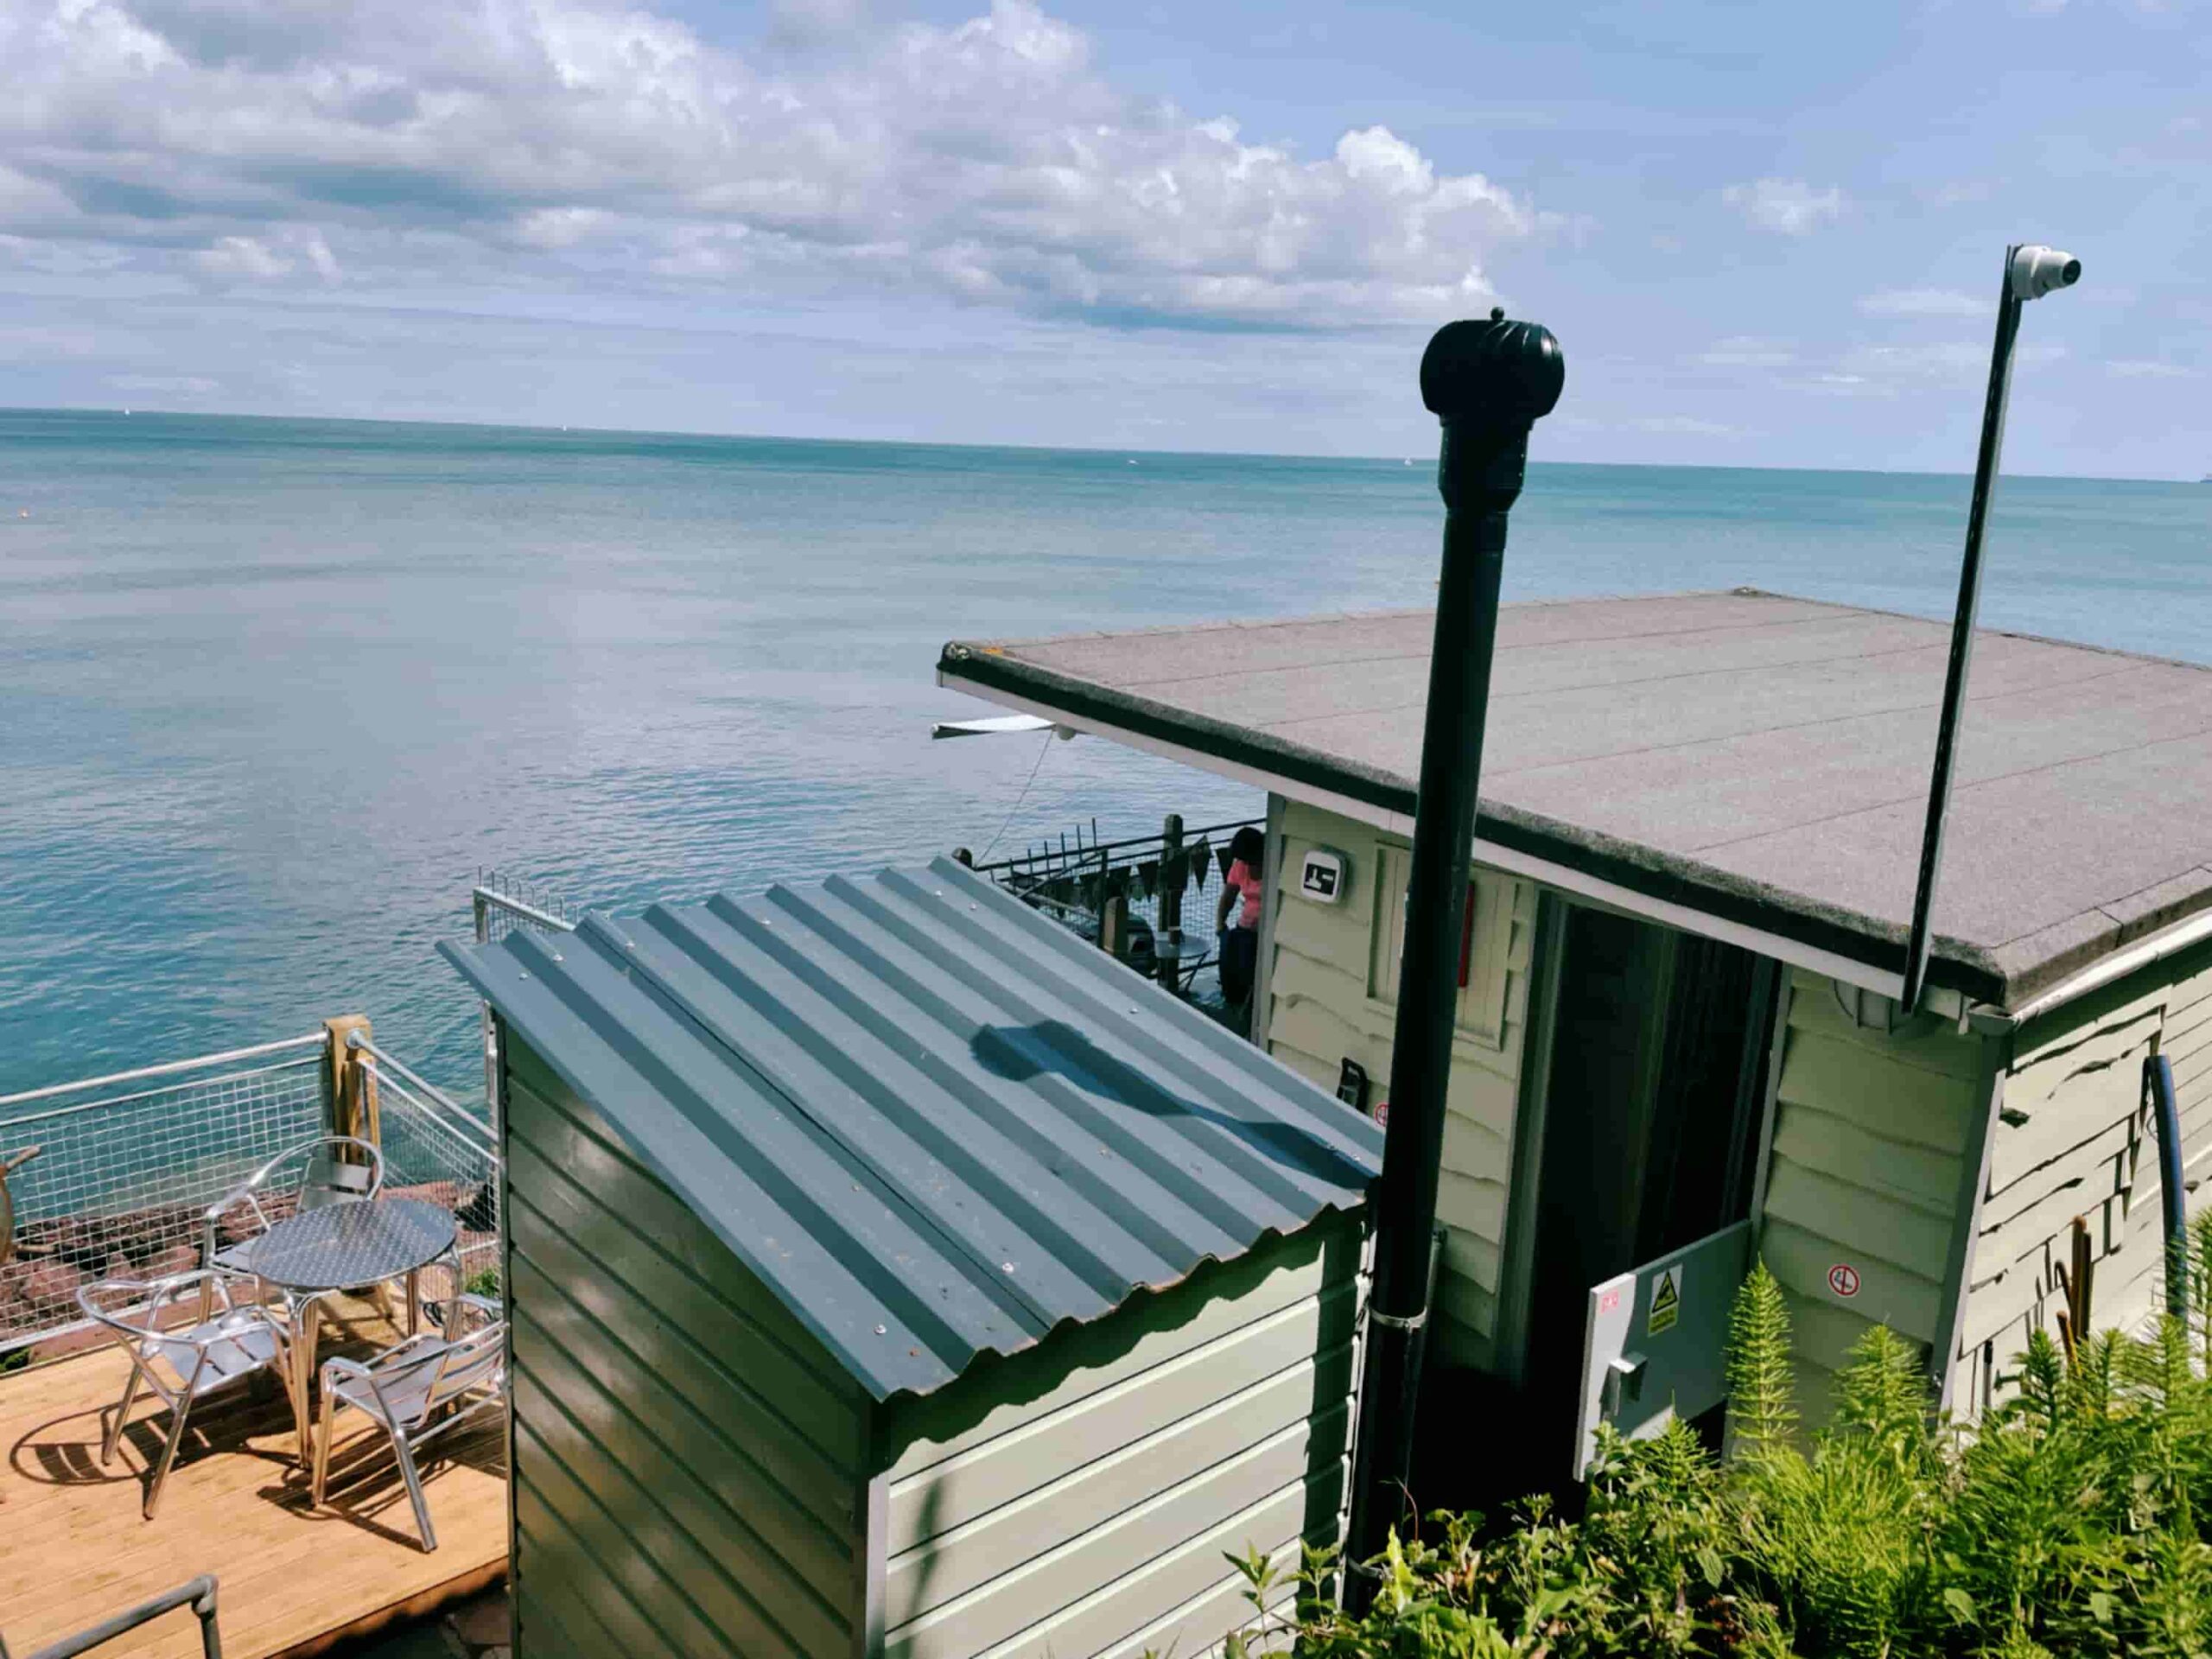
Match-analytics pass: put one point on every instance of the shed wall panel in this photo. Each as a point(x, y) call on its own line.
point(2073, 1140)
point(1332, 998)
point(682, 1445)
point(1042, 1504)
point(1870, 1129)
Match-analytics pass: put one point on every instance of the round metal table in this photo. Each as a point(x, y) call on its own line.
point(343, 1247)
point(1179, 959)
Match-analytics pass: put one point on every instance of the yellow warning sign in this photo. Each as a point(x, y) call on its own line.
point(1666, 1302)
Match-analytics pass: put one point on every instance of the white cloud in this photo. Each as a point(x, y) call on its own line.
point(1748, 352)
point(247, 256)
point(1790, 206)
point(269, 141)
point(1957, 192)
point(1926, 302)
point(2147, 369)
point(1952, 362)
point(1684, 425)
point(184, 383)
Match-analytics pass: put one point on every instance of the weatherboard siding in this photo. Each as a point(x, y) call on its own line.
point(1071, 1498)
point(2072, 1140)
point(689, 1466)
point(1332, 988)
point(1870, 1133)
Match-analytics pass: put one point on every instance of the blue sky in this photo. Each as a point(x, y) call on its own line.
point(1766, 234)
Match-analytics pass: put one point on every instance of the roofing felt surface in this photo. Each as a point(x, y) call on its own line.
point(1752, 756)
point(933, 1123)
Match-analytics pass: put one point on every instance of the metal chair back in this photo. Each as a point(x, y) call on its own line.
point(332, 1169)
point(413, 1388)
point(408, 1387)
point(327, 1180)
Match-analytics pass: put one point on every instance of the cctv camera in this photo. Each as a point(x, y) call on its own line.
point(2037, 269)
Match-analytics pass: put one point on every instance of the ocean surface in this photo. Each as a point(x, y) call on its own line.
point(273, 692)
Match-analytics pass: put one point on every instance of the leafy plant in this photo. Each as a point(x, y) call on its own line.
point(2072, 1520)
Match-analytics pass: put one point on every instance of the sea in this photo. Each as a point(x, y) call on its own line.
point(274, 693)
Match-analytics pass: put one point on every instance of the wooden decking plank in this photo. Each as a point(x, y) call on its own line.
point(293, 1580)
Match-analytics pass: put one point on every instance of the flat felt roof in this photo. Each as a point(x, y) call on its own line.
point(1752, 756)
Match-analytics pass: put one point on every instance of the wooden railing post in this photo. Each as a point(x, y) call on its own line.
point(1174, 874)
point(350, 1083)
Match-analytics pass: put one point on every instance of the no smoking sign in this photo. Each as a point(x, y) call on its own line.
point(1843, 1279)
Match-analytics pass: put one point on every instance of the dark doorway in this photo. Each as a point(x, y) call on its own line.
point(1649, 1130)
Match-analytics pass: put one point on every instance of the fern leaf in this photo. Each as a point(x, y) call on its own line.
point(1761, 1399)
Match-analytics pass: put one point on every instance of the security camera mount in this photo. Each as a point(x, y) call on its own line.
point(2032, 270)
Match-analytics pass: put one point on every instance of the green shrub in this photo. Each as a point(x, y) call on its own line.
point(2076, 1519)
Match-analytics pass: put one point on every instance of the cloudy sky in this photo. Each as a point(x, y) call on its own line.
point(1767, 234)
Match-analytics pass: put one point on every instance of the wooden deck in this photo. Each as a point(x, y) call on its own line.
point(74, 1549)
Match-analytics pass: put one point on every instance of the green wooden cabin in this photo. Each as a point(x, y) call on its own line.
point(1696, 856)
point(891, 1275)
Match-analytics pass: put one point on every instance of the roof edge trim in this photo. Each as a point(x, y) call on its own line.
point(1768, 925)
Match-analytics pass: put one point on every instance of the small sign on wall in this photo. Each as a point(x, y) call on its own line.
point(1321, 875)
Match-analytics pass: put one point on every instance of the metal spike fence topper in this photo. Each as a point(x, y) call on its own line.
point(1488, 382)
point(2030, 272)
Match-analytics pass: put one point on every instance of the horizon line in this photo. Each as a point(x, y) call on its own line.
point(134, 411)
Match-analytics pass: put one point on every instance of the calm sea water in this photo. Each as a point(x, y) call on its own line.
point(271, 692)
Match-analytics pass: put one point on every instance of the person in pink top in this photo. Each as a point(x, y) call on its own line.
point(1237, 918)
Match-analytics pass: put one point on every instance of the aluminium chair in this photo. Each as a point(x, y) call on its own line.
point(313, 1175)
point(182, 1364)
point(419, 1388)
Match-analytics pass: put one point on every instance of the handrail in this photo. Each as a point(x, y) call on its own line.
point(167, 1069)
point(428, 1095)
point(200, 1594)
point(105, 1101)
point(515, 906)
point(1080, 854)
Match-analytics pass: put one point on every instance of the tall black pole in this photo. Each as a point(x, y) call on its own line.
point(1488, 382)
point(1962, 626)
point(2032, 270)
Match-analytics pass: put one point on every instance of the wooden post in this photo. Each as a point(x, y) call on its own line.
point(1114, 926)
point(350, 1085)
point(1173, 875)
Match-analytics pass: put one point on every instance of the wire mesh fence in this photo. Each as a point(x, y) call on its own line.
point(1164, 882)
point(503, 903)
point(437, 1150)
point(127, 1166)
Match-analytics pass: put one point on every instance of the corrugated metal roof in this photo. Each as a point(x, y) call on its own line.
point(936, 1124)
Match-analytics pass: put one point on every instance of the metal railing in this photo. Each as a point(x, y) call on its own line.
point(436, 1150)
point(129, 1162)
point(501, 904)
point(1177, 871)
point(199, 1594)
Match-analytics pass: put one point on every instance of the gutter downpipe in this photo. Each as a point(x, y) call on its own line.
point(2173, 1197)
point(1488, 382)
